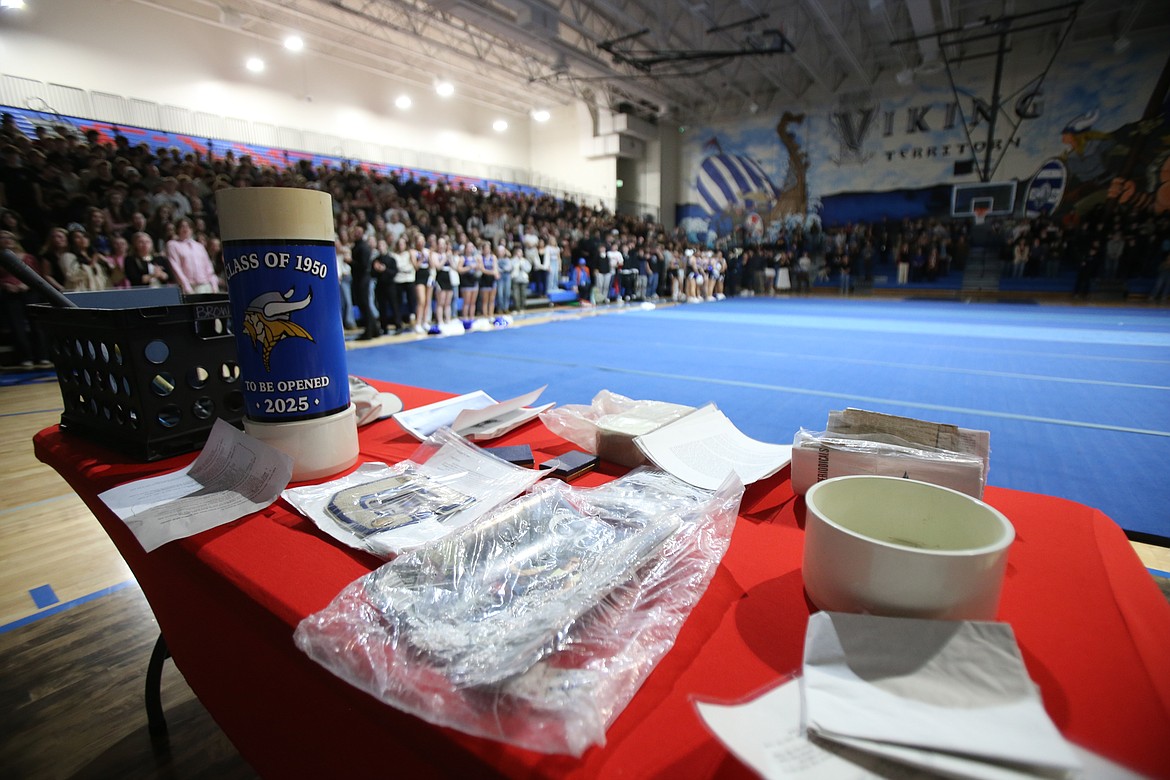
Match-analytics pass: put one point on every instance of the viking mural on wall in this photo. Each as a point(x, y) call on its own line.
point(1094, 131)
point(792, 201)
point(1127, 167)
point(737, 194)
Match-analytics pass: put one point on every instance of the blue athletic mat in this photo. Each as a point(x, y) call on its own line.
point(1077, 399)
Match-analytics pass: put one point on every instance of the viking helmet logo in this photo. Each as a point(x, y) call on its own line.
point(267, 321)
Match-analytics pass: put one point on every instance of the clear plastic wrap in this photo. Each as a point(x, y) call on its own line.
point(537, 624)
point(913, 432)
point(817, 456)
point(447, 483)
point(608, 426)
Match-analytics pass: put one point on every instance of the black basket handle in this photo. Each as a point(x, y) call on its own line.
point(15, 266)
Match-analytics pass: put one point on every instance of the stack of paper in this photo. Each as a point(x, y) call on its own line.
point(898, 697)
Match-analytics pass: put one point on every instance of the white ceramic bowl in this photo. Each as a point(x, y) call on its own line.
point(898, 547)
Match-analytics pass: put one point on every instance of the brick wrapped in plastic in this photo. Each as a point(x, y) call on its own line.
point(535, 625)
point(608, 426)
point(817, 456)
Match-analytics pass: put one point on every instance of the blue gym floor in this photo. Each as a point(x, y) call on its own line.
point(1077, 399)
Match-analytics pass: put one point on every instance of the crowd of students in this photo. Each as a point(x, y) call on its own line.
point(424, 255)
point(88, 215)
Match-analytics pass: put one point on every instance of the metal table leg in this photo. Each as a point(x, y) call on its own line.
point(155, 718)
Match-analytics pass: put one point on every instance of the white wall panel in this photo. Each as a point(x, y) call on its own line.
point(110, 108)
point(144, 113)
point(17, 91)
point(71, 101)
point(262, 134)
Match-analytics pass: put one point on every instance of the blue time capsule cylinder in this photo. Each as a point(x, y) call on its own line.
point(281, 268)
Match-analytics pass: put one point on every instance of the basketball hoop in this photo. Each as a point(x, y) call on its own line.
point(978, 201)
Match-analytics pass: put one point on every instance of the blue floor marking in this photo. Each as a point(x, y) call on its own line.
point(43, 596)
point(927, 367)
point(22, 507)
point(1081, 356)
point(967, 329)
point(65, 606)
point(893, 401)
point(853, 398)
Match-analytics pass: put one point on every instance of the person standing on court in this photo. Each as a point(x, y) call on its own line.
point(362, 267)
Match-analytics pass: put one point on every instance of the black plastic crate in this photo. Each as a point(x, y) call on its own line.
point(149, 380)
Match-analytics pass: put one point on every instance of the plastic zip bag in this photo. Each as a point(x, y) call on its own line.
point(817, 456)
point(537, 624)
point(608, 426)
point(447, 483)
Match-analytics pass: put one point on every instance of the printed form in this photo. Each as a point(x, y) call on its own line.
point(235, 475)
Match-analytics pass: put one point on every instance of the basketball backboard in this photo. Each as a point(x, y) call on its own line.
point(999, 198)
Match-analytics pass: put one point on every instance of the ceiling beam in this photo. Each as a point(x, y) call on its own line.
point(844, 50)
point(922, 21)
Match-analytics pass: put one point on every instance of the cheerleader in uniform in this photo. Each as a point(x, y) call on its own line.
point(695, 280)
point(469, 272)
point(443, 262)
point(489, 276)
point(716, 269)
point(421, 258)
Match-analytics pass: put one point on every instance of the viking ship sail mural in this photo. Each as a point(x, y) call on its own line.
point(734, 189)
point(727, 181)
point(793, 198)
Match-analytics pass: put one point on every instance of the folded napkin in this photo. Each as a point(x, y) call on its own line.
point(949, 696)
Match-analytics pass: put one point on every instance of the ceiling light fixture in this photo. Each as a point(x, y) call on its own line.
point(445, 89)
point(499, 125)
point(403, 101)
point(540, 115)
point(254, 64)
point(294, 43)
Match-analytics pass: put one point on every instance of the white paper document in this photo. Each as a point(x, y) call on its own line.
point(767, 734)
point(704, 447)
point(948, 696)
point(476, 416)
point(233, 476)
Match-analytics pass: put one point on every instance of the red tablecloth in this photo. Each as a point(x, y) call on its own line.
point(1093, 627)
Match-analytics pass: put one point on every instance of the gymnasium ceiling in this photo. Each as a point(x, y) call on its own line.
point(686, 60)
